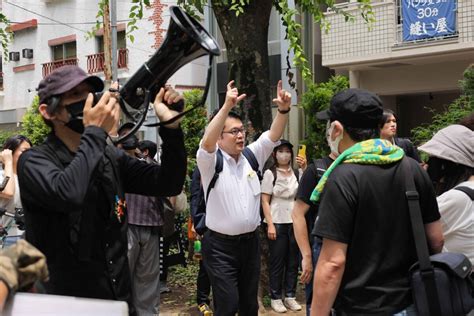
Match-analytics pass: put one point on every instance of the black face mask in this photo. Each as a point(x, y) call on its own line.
point(75, 111)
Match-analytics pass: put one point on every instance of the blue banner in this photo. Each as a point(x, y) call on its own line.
point(428, 18)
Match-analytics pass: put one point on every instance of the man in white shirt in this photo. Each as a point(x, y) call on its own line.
point(231, 252)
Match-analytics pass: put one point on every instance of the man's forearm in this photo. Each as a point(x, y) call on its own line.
point(278, 126)
point(214, 129)
point(328, 276)
point(301, 234)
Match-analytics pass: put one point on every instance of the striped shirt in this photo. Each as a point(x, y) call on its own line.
point(144, 210)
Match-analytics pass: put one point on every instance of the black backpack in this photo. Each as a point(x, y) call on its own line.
point(198, 212)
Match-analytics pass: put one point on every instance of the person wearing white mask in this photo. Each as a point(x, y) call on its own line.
point(279, 187)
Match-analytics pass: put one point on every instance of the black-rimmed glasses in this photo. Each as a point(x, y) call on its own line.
point(235, 131)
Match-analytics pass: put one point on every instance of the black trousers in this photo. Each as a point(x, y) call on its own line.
point(283, 262)
point(203, 285)
point(233, 266)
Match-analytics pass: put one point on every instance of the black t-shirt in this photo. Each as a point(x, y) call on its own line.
point(364, 206)
point(307, 183)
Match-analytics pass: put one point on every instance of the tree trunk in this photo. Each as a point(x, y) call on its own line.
point(246, 40)
point(107, 43)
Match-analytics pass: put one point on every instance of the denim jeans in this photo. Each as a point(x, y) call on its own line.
point(316, 250)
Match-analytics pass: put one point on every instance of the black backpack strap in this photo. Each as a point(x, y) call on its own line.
point(217, 170)
point(249, 155)
point(320, 166)
point(467, 190)
point(419, 235)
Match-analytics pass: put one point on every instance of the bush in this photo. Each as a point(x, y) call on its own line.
point(459, 108)
point(4, 134)
point(193, 125)
point(316, 99)
point(33, 125)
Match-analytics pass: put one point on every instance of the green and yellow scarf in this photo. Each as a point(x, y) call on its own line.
point(370, 152)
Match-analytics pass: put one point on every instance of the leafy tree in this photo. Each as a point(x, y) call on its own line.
point(244, 27)
point(459, 108)
point(33, 125)
point(315, 99)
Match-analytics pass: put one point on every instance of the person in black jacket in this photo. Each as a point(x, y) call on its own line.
point(74, 184)
point(388, 131)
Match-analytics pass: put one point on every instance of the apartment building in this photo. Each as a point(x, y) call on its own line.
point(51, 33)
point(413, 71)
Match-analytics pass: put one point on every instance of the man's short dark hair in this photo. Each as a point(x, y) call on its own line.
point(358, 134)
point(150, 146)
point(232, 114)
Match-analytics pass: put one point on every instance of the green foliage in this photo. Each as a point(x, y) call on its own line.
point(459, 108)
point(135, 14)
point(315, 99)
point(33, 125)
point(6, 36)
point(4, 134)
point(193, 125)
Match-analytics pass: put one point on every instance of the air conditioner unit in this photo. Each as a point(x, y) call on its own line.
point(14, 56)
point(27, 53)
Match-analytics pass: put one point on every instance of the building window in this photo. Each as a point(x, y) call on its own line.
point(64, 51)
point(121, 41)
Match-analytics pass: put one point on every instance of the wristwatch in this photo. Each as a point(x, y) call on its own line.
point(4, 183)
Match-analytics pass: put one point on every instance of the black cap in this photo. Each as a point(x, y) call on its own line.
point(284, 142)
point(64, 79)
point(354, 108)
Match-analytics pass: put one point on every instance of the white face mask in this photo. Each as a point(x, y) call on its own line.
point(283, 157)
point(333, 144)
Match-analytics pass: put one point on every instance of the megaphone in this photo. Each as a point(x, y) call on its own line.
point(185, 41)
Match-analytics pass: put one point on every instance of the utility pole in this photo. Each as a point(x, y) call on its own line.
point(113, 18)
point(107, 48)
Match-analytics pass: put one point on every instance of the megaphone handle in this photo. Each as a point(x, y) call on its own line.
point(203, 99)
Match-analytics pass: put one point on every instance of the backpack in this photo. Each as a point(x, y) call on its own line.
point(319, 166)
point(467, 190)
point(198, 206)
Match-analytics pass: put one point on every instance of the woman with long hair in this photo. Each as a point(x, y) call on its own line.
point(388, 131)
point(279, 187)
point(451, 168)
point(10, 196)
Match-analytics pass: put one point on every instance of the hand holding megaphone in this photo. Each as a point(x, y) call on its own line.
point(168, 104)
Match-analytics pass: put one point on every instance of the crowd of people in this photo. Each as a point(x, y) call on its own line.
point(94, 211)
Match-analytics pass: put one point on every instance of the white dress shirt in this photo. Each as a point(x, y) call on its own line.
point(233, 206)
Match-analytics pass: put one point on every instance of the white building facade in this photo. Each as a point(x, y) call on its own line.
point(411, 76)
point(52, 33)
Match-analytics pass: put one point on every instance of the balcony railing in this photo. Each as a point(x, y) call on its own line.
point(49, 67)
point(95, 62)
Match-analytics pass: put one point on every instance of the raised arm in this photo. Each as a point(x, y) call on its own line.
point(215, 127)
point(283, 101)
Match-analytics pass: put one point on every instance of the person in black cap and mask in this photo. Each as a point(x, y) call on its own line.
point(73, 185)
point(363, 219)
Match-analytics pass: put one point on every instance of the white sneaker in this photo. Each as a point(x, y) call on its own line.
point(292, 304)
point(278, 306)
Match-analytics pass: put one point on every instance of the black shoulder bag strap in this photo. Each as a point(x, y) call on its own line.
point(249, 155)
point(426, 268)
point(217, 170)
point(467, 190)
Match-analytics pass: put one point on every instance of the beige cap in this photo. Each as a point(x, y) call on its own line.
point(454, 143)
